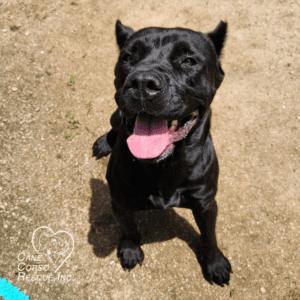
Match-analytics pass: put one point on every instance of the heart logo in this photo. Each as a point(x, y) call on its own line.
point(57, 246)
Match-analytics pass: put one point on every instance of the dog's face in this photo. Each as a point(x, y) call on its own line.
point(164, 75)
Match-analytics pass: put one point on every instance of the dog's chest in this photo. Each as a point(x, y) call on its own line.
point(160, 202)
point(165, 187)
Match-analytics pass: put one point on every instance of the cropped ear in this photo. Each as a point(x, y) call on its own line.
point(218, 37)
point(122, 33)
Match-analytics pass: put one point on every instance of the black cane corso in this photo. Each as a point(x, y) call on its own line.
point(161, 148)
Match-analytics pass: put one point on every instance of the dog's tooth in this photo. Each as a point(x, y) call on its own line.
point(173, 124)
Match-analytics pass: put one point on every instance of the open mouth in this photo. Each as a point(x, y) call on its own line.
point(152, 137)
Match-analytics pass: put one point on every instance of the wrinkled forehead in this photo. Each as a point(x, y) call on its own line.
point(179, 40)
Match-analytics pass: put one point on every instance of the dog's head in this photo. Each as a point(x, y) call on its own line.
point(164, 79)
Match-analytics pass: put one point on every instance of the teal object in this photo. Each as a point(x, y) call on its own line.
point(10, 292)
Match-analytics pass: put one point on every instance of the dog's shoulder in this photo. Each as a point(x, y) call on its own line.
point(116, 120)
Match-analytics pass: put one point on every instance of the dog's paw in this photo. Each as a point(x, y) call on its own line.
point(216, 268)
point(130, 254)
point(101, 147)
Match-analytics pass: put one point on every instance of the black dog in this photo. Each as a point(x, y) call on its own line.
point(162, 153)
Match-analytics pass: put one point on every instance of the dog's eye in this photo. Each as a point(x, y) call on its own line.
point(190, 61)
point(127, 57)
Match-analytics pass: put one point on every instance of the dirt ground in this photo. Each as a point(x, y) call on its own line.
point(48, 177)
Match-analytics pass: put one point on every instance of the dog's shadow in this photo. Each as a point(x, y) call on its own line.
point(154, 225)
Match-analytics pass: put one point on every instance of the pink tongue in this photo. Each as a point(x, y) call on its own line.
point(150, 137)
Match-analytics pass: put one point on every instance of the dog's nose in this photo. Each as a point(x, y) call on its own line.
point(143, 82)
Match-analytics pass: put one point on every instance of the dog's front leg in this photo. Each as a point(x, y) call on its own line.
point(129, 250)
point(215, 265)
point(103, 146)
